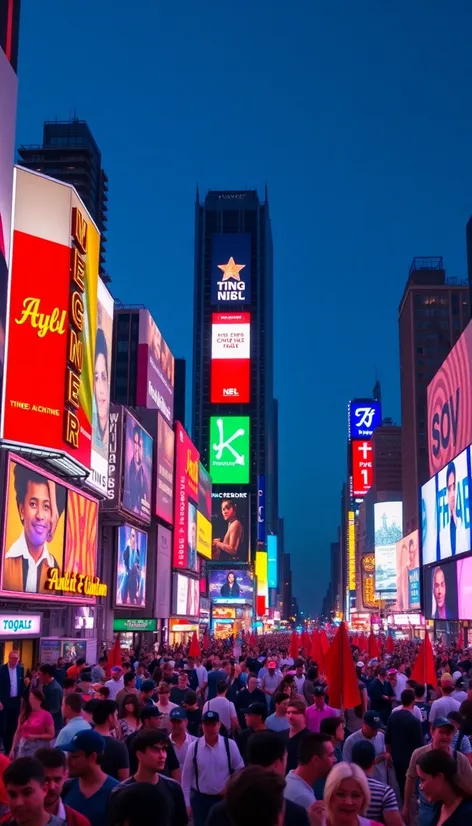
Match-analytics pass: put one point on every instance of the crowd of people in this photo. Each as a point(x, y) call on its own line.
point(235, 740)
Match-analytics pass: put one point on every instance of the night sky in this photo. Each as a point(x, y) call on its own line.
point(358, 117)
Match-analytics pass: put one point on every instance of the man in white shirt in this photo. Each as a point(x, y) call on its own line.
point(316, 759)
point(442, 706)
point(179, 736)
point(209, 763)
point(72, 714)
point(408, 704)
point(116, 683)
point(299, 676)
point(202, 676)
point(225, 709)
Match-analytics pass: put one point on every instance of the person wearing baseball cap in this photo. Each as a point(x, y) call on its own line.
point(210, 762)
point(319, 710)
point(255, 720)
point(179, 736)
point(381, 694)
point(89, 788)
point(372, 731)
point(270, 683)
point(117, 681)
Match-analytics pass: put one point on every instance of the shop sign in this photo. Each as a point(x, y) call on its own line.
point(79, 584)
point(20, 625)
point(135, 625)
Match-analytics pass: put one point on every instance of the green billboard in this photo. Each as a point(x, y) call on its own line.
point(135, 625)
point(229, 449)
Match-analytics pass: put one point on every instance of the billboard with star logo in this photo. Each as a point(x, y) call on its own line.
point(231, 269)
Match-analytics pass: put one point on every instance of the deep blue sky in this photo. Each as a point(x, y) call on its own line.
point(357, 115)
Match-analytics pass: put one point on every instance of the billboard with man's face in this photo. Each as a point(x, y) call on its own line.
point(138, 470)
point(231, 528)
point(131, 567)
point(445, 507)
point(408, 573)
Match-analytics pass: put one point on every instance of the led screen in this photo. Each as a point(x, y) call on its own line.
point(365, 416)
point(204, 492)
point(164, 564)
point(155, 379)
point(229, 449)
point(231, 269)
point(230, 358)
point(186, 596)
point(138, 470)
point(272, 561)
point(362, 468)
point(165, 470)
point(445, 511)
point(388, 517)
point(231, 586)
point(231, 527)
point(187, 461)
point(408, 572)
point(440, 591)
point(98, 478)
point(131, 567)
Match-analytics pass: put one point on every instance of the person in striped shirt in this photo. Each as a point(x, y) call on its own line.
point(383, 805)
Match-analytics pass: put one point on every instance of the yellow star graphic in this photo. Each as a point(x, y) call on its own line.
point(231, 269)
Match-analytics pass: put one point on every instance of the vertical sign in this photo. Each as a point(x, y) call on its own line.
point(351, 550)
point(272, 561)
point(261, 496)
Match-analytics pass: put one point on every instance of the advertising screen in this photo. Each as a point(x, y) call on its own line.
point(362, 468)
point(138, 470)
point(98, 478)
point(351, 550)
point(84, 618)
point(408, 572)
point(231, 269)
point(365, 416)
point(54, 318)
point(223, 612)
point(453, 507)
point(261, 495)
point(204, 492)
point(155, 379)
point(187, 461)
point(231, 529)
point(229, 449)
point(369, 599)
point(272, 561)
point(50, 538)
point(231, 586)
point(186, 596)
point(388, 518)
point(115, 457)
point(450, 405)
point(464, 587)
point(8, 97)
point(164, 564)
point(440, 591)
point(203, 536)
point(429, 522)
point(131, 567)
point(262, 584)
point(165, 470)
point(230, 357)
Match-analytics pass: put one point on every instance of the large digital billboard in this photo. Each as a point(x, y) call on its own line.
point(136, 497)
point(272, 561)
point(164, 565)
point(53, 317)
point(362, 467)
point(155, 379)
point(351, 550)
point(185, 596)
point(450, 405)
point(364, 416)
point(8, 97)
point(262, 583)
point(50, 538)
point(231, 528)
point(440, 591)
point(101, 390)
point(388, 519)
point(231, 269)
point(261, 506)
point(229, 450)
point(131, 567)
point(464, 587)
point(230, 358)
point(445, 511)
point(204, 492)
point(203, 536)
point(233, 586)
point(187, 461)
point(408, 573)
point(164, 470)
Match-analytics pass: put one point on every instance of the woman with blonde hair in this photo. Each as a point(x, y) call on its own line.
point(347, 796)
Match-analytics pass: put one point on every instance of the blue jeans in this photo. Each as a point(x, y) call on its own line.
point(426, 814)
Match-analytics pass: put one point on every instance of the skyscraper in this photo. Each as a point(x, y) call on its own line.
point(433, 313)
point(70, 153)
point(10, 29)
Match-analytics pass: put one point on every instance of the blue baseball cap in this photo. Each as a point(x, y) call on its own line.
point(178, 714)
point(89, 741)
point(372, 719)
point(211, 717)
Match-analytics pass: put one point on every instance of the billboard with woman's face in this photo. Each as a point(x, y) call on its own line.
point(231, 585)
point(101, 389)
point(230, 527)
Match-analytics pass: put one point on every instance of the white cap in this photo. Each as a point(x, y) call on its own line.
point(457, 675)
point(360, 664)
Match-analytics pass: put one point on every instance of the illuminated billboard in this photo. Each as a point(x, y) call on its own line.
point(408, 573)
point(50, 538)
point(445, 511)
point(187, 461)
point(231, 585)
point(230, 357)
point(440, 591)
point(231, 269)
point(369, 598)
point(272, 561)
point(262, 582)
point(231, 526)
point(261, 497)
point(204, 492)
point(165, 470)
point(8, 98)
point(98, 477)
point(229, 449)
point(351, 549)
point(164, 565)
point(131, 567)
point(137, 469)
point(155, 379)
point(450, 405)
point(203, 536)
point(53, 315)
point(364, 416)
point(362, 467)
point(185, 596)
point(388, 518)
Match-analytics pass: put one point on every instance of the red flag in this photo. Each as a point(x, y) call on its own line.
point(317, 652)
point(194, 650)
point(206, 641)
point(294, 645)
point(460, 639)
point(362, 643)
point(390, 646)
point(114, 657)
point(306, 643)
point(253, 640)
point(324, 641)
point(424, 670)
point(373, 650)
point(343, 686)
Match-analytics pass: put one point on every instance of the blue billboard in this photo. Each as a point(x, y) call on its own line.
point(261, 494)
point(272, 561)
point(365, 416)
point(231, 269)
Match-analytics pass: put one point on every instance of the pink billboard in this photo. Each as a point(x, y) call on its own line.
point(450, 405)
point(187, 460)
point(155, 379)
point(165, 470)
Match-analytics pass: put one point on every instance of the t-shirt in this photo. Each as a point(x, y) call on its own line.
point(94, 808)
point(298, 791)
point(295, 815)
point(442, 707)
point(315, 715)
point(293, 747)
point(275, 723)
point(37, 723)
point(463, 778)
point(194, 719)
point(464, 743)
point(70, 730)
point(225, 709)
point(424, 708)
point(403, 735)
point(115, 757)
point(215, 677)
point(382, 799)
point(172, 791)
point(171, 764)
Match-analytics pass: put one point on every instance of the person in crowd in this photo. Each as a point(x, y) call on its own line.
point(248, 696)
point(255, 797)
point(215, 676)
point(408, 703)
point(347, 796)
point(202, 677)
point(129, 687)
point(372, 731)
point(164, 706)
point(84, 686)
point(54, 765)
point(424, 709)
point(270, 682)
point(296, 733)
point(60, 671)
point(226, 710)
point(72, 706)
point(381, 695)
point(278, 720)
point(116, 683)
point(74, 670)
point(69, 686)
point(403, 736)
point(178, 692)
point(194, 714)
point(289, 686)
point(35, 727)
point(437, 772)
point(459, 693)
point(98, 671)
point(150, 721)
point(179, 736)
point(151, 754)
point(89, 788)
point(89, 708)
point(316, 758)
point(12, 689)
point(148, 693)
point(255, 721)
point(25, 786)
point(52, 695)
point(114, 759)
point(443, 705)
point(311, 682)
point(383, 805)
point(209, 763)
point(460, 740)
point(129, 719)
point(334, 728)
point(140, 804)
point(299, 676)
point(319, 710)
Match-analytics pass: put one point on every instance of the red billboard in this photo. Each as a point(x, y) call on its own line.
point(450, 405)
point(362, 470)
point(230, 358)
point(52, 319)
point(187, 459)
